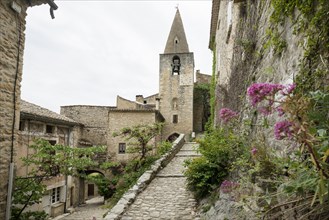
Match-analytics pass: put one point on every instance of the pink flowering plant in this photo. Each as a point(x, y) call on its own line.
point(297, 113)
point(228, 186)
point(226, 115)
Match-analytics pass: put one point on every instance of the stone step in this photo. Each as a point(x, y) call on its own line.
point(170, 175)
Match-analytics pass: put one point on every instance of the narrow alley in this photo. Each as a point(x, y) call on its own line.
point(92, 210)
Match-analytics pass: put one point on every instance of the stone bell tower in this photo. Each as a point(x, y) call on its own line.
point(176, 82)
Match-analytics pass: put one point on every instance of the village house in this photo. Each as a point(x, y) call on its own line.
point(40, 123)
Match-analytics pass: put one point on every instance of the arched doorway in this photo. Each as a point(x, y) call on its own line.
point(173, 137)
point(87, 185)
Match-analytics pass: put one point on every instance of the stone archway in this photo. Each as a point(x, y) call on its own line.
point(87, 189)
point(173, 137)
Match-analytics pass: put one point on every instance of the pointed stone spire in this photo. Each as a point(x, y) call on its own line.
point(177, 42)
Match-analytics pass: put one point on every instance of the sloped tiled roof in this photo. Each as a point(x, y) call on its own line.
point(35, 112)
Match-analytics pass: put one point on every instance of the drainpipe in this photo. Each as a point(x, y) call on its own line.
point(11, 165)
point(66, 177)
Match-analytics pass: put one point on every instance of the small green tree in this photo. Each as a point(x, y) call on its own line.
point(47, 161)
point(139, 137)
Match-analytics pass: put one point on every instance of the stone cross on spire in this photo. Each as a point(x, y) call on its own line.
point(177, 42)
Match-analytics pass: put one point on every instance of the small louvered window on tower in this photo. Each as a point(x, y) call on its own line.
point(175, 65)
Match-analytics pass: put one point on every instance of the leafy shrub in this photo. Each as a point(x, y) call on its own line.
point(220, 148)
point(164, 147)
point(202, 176)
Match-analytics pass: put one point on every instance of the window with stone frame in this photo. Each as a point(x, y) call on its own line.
point(175, 119)
point(122, 148)
point(55, 195)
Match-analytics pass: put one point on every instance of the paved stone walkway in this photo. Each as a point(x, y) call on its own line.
point(90, 211)
point(166, 197)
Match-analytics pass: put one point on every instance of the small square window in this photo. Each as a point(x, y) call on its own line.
point(122, 148)
point(175, 119)
point(50, 129)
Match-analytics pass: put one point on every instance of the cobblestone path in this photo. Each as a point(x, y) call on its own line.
point(166, 197)
point(90, 211)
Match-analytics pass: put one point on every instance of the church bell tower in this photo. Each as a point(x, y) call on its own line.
point(176, 82)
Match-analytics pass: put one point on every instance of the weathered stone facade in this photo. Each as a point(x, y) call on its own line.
point(176, 82)
point(12, 39)
point(94, 119)
point(201, 101)
point(118, 119)
point(37, 122)
point(237, 38)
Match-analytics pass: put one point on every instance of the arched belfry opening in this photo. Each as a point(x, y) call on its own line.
point(175, 65)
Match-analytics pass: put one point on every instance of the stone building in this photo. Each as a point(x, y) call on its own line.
point(37, 122)
point(201, 101)
point(12, 38)
point(173, 105)
point(237, 39)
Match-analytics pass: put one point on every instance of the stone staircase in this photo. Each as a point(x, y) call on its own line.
point(166, 197)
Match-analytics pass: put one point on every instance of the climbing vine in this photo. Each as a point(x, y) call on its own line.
point(212, 92)
point(310, 19)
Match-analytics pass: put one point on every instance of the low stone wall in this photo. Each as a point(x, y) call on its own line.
point(129, 197)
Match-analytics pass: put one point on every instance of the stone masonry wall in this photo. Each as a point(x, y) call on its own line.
point(125, 104)
point(242, 58)
point(94, 119)
point(179, 87)
point(12, 28)
point(202, 78)
point(119, 119)
point(12, 39)
point(201, 102)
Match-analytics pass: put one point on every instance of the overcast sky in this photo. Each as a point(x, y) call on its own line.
point(95, 50)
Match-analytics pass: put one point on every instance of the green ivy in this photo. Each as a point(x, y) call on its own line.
point(310, 19)
point(210, 123)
